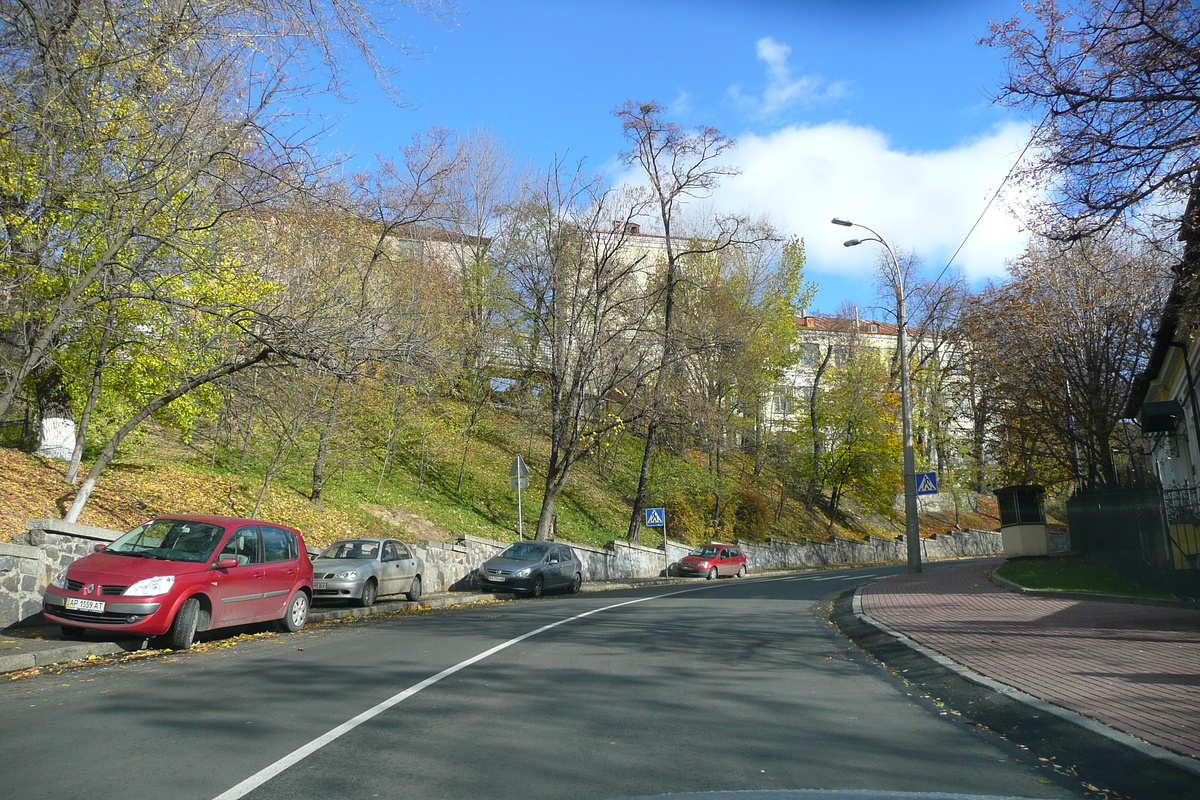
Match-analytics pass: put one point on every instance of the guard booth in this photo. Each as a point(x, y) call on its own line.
point(1023, 529)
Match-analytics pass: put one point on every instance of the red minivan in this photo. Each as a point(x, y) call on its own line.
point(175, 576)
point(712, 560)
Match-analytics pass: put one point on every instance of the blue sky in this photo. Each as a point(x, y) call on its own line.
point(871, 110)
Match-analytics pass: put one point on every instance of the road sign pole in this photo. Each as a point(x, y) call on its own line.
point(666, 553)
point(655, 518)
point(518, 478)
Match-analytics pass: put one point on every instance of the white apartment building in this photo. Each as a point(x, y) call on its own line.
point(823, 337)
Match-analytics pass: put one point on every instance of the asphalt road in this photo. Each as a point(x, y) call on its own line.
point(725, 685)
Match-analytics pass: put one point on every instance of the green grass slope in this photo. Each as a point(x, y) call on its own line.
point(436, 486)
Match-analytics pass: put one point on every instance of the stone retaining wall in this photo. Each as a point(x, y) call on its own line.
point(27, 565)
point(34, 558)
point(777, 554)
point(22, 578)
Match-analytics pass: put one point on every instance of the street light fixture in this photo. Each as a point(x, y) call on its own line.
point(912, 529)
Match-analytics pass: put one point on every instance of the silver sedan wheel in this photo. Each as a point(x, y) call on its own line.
point(369, 593)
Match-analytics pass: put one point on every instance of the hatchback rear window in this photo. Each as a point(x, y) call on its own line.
point(278, 545)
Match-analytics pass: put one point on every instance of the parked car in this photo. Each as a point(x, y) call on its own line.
point(712, 560)
point(532, 568)
point(362, 570)
point(175, 576)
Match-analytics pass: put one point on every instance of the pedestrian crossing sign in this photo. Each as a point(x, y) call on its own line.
point(927, 483)
point(655, 517)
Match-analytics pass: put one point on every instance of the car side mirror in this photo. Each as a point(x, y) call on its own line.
point(100, 547)
point(226, 563)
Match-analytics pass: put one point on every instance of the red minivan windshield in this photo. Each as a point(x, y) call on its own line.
point(170, 540)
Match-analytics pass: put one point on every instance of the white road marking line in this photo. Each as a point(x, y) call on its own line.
point(304, 751)
point(843, 578)
point(299, 754)
point(799, 578)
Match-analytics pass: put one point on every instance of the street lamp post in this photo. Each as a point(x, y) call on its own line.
point(912, 529)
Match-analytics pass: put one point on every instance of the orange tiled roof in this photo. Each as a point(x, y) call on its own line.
point(844, 325)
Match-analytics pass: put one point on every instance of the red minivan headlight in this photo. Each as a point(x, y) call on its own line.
point(159, 584)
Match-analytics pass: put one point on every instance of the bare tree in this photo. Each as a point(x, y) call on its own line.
point(579, 330)
point(389, 275)
point(677, 166)
point(479, 192)
point(1119, 84)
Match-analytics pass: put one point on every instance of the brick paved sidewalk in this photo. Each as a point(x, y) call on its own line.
point(1135, 668)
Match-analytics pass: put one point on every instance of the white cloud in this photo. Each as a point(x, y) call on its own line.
point(681, 106)
point(783, 90)
point(803, 176)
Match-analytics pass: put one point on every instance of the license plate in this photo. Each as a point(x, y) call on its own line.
point(496, 578)
point(319, 585)
point(80, 604)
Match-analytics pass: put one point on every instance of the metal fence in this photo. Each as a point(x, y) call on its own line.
point(1181, 502)
point(1143, 531)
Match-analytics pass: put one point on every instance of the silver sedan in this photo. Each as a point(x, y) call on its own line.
point(363, 569)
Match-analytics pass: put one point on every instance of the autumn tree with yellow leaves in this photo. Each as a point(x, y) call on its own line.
point(129, 132)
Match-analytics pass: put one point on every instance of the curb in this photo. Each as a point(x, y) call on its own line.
point(27, 647)
point(1050, 732)
point(1007, 585)
point(46, 656)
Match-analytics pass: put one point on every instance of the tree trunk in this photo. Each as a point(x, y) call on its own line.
point(390, 449)
point(327, 431)
point(56, 436)
point(472, 421)
point(639, 497)
point(554, 488)
point(85, 417)
point(110, 449)
point(814, 477)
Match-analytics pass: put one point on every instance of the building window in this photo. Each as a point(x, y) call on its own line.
point(810, 355)
point(782, 401)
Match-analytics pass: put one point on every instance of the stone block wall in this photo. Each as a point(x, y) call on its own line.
point(22, 578)
point(776, 554)
point(34, 558)
point(1060, 541)
point(449, 566)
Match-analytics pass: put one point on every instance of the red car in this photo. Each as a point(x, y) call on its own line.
point(175, 576)
point(712, 560)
